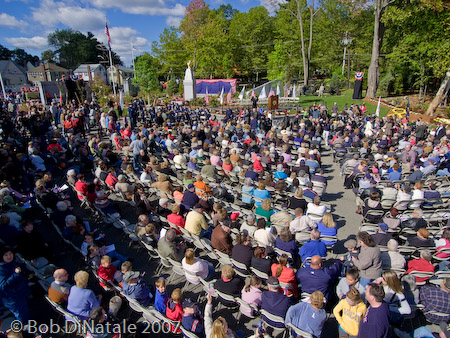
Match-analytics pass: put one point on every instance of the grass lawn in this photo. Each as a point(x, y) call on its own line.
point(341, 100)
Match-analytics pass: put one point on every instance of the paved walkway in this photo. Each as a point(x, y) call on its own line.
point(342, 201)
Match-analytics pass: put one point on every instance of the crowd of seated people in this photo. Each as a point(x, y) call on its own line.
point(200, 187)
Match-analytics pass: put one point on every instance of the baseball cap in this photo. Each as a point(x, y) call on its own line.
point(188, 303)
point(129, 275)
point(251, 218)
point(383, 226)
point(351, 243)
point(190, 186)
point(273, 282)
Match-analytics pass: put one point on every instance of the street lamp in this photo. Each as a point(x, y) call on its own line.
point(346, 41)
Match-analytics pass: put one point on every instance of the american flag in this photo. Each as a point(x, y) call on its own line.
point(107, 32)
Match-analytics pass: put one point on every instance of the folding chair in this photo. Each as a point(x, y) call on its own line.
point(421, 274)
point(265, 316)
point(259, 273)
point(240, 268)
point(295, 332)
point(224, 259)
point(249, 309)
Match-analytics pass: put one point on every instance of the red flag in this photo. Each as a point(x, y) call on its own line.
point(272, 92)
point(107, 32)
point(229, 94)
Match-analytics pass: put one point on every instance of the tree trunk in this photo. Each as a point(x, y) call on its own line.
point(374, 68)
point(439, 95)
point(311, 11)
point(305, 62)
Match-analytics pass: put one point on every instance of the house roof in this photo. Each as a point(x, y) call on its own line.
point(48, 66)
point(83, 68)
point(124, 69)
point(5, 63)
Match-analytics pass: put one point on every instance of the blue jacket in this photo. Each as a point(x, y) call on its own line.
point(139, 292)
point(81, 302)
point(161, 301)
point(313, 248)
point(194, 323)
point(306, 318)
point(319, 279)
point(275, 303)
point(12, 285)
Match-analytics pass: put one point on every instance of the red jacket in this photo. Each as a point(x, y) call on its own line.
point(287, 276)
point(174, 311)
point(420, 264)
point(106, 273)
point(111, 181)
point(257, 166)
point(177, 220)
point(81, 187)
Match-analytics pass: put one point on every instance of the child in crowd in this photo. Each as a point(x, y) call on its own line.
point(124, 268)
point(252, 294)
point(351, 246)
point(174, 310)
point(161, 297)
point(106, 271)
point(353, 309)
point(93, 258)
point(89, 240)
point(351, 280)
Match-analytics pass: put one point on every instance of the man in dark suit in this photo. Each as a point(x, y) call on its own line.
point(440, 132)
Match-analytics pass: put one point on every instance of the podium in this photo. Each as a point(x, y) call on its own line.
point(273, 102)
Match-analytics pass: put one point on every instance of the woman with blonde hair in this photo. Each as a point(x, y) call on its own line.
point(81, 300)
point(394, 296)
point(261, 193)
point(327, 227)
point(265, 210)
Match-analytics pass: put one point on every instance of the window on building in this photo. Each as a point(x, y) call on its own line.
point(41, 75)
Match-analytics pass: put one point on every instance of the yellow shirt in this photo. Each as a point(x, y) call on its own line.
point(195, 222)
point(351, 316)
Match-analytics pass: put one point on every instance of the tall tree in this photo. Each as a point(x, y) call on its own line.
point(196, 15)
point(146, 73)
point(299, 9)
point(73, 48)
point(5, 53)
point(170, 52)
point(373, 76)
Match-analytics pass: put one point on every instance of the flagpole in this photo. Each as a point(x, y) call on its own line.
point(132, 58)
point(3, 86)
point(110, 62)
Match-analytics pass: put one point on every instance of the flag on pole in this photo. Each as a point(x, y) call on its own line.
point(230, 92)
point(207, 96)
point(293, 93)
point(263, 94)
point(278, 89)
point(221, 96)
point(271, 92)
point(377, 112)
point(121, 99)
point(107, 32)
point(241, 95)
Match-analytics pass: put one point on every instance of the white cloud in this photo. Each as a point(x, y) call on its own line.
point(121, 40)
point(143, 7)
point(35, 43)
point(51, 13)
point(10, 21)
point(173, 21)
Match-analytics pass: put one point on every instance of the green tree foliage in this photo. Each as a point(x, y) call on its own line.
point(17, 55)
point(73, 48)
point(172, 87)
point(170, 52)
point(146, 73)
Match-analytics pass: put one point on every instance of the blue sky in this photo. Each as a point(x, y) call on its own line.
point(27, 23)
